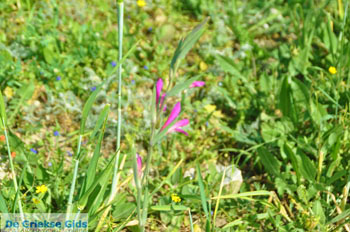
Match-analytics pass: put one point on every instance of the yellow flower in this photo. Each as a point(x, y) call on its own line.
point(212, 108)
point(141, 3)
point(35, 201)
point(196, 228)
point(175, 198)
point(203, 66)
point(332, 70)
point(41, 189)
point(8, 92)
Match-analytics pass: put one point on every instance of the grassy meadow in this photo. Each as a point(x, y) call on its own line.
point(197, 115)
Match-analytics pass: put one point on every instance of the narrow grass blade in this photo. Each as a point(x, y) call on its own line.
point(26, 91)
point(294, 161)
point(101, 179)
point(202, 193)
point(340, 217)
point(191, 221)
point(91, 172)
point(169, 207)
point(245, 194)
point(234, 223)
point(19, 187)
point(218, 200)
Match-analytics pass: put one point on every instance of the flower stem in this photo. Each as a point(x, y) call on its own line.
point(75, 174)
point(12, 168)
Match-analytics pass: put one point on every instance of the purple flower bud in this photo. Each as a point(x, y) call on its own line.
point(49, 164)
point(113, 63)
point(133, 82)
point(197, 84)
point(69, 153)
point(93, 88)
point(33, 150)
point(150, 29)
point(56, 133)
point(173, 115)
point(139, 164)
point(58, 78)
point(145, 67)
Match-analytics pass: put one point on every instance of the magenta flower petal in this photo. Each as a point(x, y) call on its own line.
point(159, 87)
point(174, 113)
point(181, 123)
point(139, 164)
point(181, 131)
point(197, 84)
point(178, 124)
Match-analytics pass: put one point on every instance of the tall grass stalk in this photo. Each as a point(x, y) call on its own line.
point(120, 56)
point(114, 187)
point(12, 168)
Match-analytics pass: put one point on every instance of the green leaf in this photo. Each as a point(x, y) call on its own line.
point(15, 202)
point(244, 195)
point(270, 163)
point(340, 217)
point(227, 65)
point(305, 93)
point(161, 134)
point(202, 192)
point(91, 172)
point(336, 175)
point(169, 207)
point(234, 223)
point(181, 86)
point(100, 121)
point(87, 108)
point(2, 111)
point(318, 211)
point(49, 54)
point(101, 179)
point(292, 157)
point(307, 168)
point(26, 92)
point(123, 210)
point(285, 101)
point(186, 44)
point(3, 207)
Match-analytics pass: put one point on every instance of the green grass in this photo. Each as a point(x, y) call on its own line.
point(270, 106)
